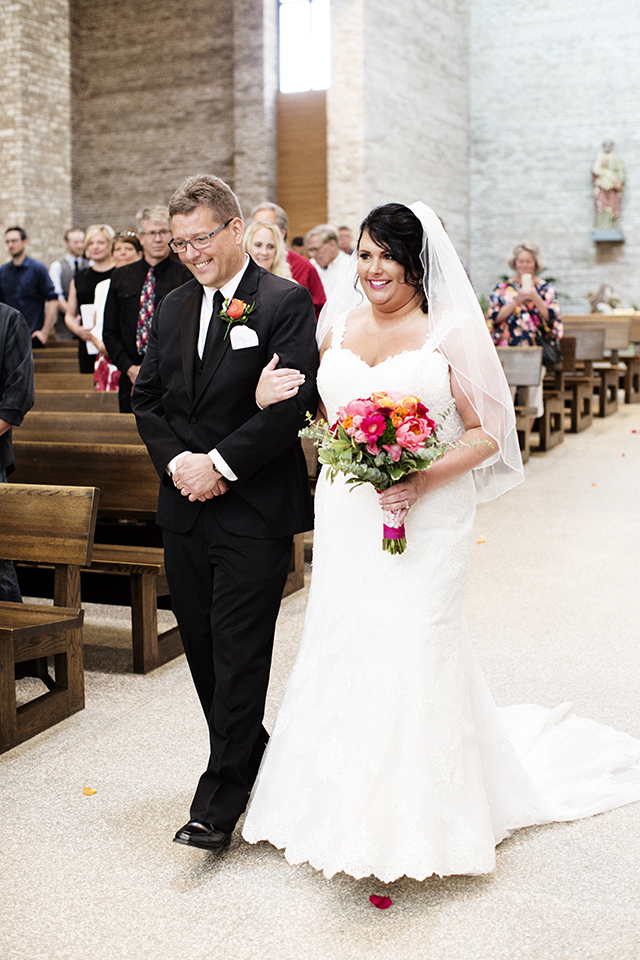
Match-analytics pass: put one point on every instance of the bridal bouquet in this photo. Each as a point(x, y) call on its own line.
point(379, 441)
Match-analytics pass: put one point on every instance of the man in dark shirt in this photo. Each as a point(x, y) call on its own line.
point(25, 284)
point(16, 397)
point(302, 270)
point(135, 291)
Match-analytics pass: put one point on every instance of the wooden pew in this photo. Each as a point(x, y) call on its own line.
point(65, 401)
point(589, 344)
point(523, 368)
point(607, 371)
point(55, 525)
point(630, 379)
point(128, 486)
point(69, 382)
point(55, 364)
point(79, 426)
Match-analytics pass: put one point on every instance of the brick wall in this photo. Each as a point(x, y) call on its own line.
point(549, 82)
point(35, 156)
point(162, 91)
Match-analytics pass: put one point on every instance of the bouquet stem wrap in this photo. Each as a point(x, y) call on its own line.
point(394, 539)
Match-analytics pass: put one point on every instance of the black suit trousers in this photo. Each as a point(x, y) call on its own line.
point(226, 593)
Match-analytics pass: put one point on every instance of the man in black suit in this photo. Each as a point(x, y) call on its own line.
point(125, 298)
point(234, 485)
point(16, 397)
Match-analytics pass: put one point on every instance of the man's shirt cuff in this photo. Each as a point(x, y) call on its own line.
point(221, 465)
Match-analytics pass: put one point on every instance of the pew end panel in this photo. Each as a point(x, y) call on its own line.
point(56, 525)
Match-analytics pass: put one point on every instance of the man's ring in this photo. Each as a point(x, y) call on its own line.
point(406, 504)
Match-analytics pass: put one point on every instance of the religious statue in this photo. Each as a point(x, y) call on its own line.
point(607, 174)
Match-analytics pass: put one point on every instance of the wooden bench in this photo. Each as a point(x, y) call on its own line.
point(65, 401)
point(630, 377)
point(580, 382)
point(128, 485)
point(523, 369)
point(607, 371)
point(69, 382)
point(80, 426)
point(61, 364)
point(55, 525)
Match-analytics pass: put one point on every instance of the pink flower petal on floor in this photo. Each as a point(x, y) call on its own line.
point(382, 903)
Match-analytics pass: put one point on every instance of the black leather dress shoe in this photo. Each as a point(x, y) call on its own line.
point(203, 835)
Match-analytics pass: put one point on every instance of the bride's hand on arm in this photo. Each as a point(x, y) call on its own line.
point(470, 450)
point(277, 385)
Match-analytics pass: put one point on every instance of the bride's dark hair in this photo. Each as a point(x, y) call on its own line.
point(396, 229)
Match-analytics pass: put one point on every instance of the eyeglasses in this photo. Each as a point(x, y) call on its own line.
point(198, 243)
point(154, 233)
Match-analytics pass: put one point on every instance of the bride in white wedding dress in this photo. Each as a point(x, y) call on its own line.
point(389, 756)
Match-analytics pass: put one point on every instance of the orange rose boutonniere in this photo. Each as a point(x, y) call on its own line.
point(235, 311)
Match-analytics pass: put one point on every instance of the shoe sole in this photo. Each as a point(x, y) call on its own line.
point(202, 845)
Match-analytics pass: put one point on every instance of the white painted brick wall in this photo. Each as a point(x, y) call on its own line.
point(549, 81)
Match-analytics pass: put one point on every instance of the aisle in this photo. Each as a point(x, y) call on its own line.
point(552, 603)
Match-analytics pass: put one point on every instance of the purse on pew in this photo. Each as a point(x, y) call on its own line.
point(551, 352)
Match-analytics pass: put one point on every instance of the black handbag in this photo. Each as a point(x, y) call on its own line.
point(551, 352)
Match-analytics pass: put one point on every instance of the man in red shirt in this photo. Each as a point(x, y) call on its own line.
point(302, 270)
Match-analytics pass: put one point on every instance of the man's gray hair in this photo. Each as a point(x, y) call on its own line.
point(157, 214)
point(205, 191)
point(281, 217)
point(325, 231)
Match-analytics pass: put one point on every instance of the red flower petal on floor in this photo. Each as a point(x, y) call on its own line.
point(382, 903)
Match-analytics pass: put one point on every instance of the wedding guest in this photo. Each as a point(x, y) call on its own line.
point(330, 261)
point(524, 309)
point(26, 286)
point(125, 249)
point(97, 246)
point(263, 241)
point(301, 269)
point(345, 240)
point(16, 398)
point(62, 273)
point(133, 295)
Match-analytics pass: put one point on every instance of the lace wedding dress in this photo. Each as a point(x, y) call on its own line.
point(389, 755)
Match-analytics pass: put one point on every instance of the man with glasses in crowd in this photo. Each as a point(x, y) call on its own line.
point(234, 487)
point(135, 291)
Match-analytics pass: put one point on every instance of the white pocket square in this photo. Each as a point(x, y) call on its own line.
point(242, 337)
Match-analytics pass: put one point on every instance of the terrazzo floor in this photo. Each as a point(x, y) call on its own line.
point(553, 607)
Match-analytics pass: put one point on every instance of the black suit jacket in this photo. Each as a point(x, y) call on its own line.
point(16, 376)
point(178, 408)
point(121, 310)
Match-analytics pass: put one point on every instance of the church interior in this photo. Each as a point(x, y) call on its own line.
point(495, 114)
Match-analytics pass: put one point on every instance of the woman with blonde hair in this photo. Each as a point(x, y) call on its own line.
point(98, 248)
point(263, 242)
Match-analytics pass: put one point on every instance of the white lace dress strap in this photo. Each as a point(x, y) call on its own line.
point(339, 328)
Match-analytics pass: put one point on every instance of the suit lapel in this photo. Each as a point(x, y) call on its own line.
point(189, 330)
point(217, 346)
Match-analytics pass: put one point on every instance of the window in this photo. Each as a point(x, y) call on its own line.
point(305, 52)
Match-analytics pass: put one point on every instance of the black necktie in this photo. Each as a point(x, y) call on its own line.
point(75, 266)
point(218, 300)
